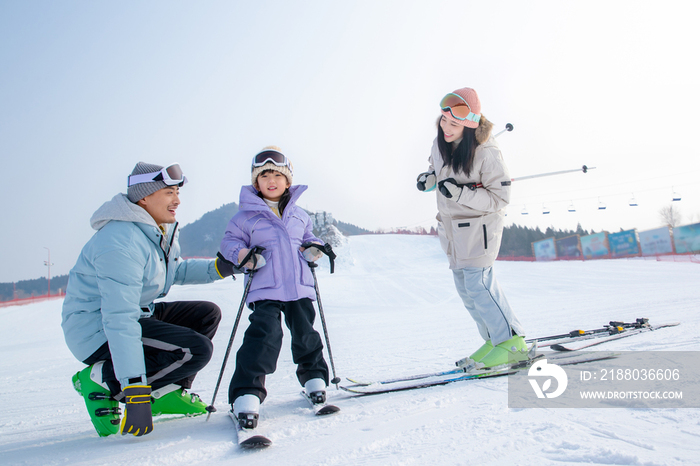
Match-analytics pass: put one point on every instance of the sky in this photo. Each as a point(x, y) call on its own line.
point(349, 91)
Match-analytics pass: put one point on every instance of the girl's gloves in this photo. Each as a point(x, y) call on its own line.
point(253, 262)
point(137, 419)
point(426, 181)
point(312, 253)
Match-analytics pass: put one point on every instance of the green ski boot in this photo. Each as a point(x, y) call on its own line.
point(476, 356)
point(508, 352)
point(103, 409)
point(173, 399)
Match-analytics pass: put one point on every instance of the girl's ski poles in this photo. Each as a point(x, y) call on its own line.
point(251, 254)
point(326, 248)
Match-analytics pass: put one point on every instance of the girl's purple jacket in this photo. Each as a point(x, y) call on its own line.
point(286, 275)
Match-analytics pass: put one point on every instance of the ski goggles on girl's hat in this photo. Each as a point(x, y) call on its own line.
point(171, 176)
point(271, 156)
point(458, 108)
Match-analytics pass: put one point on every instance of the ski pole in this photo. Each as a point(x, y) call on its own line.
point(336, 379)
point(255, 250)
point(584, 169)
point(509, 127)
point(326, 248)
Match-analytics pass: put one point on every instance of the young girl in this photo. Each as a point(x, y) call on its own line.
point(473, 190)
point(268, 217)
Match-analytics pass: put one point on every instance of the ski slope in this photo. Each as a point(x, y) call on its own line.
point(391, 309)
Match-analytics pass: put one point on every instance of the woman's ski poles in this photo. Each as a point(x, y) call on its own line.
point(251, 254)
point(326, 248)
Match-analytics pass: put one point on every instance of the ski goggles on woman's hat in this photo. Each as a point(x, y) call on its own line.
point(271, 156)
point(458, 108)
point(171, 176)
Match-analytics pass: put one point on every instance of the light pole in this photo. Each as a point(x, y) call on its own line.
point(49, 264)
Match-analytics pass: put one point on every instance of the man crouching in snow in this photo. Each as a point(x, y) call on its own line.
point(140, 353)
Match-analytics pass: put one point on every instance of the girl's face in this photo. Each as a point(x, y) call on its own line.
point(272, 185)
point(452, 131)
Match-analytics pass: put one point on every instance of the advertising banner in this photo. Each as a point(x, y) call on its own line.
point(544, 250)
point(687, 238)
point(656, 242)
point(623, 243)
point(595, 246)
point(569, 247)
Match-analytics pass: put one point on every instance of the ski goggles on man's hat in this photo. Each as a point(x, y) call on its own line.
point(171, 176)
point(458, 108)
point(271, 156)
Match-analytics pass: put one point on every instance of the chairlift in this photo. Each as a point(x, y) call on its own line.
point(633, 201)
point(601, 205)
point(571, 207)
point(545, 210)
point(524, 211)
point(676, 196)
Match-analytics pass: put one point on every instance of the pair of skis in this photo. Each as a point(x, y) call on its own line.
point(253, 438)
point(567, 342)
point(361, 388)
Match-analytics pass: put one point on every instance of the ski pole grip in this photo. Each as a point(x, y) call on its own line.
point(327, 249)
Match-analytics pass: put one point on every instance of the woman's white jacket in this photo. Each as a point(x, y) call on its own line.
point(471, 227)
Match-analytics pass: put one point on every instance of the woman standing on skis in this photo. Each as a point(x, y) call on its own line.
point(473, 190)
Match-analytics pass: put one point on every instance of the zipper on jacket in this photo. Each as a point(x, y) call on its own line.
point(486, 241)
point(167, 255)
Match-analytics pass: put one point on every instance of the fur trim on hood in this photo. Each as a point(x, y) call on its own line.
point(483, 131)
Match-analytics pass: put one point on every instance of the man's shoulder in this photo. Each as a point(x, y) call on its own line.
point(119, 235)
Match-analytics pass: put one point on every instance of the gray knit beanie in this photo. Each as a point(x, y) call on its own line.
point(140, 190)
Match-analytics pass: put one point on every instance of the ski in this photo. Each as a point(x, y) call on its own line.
point(612, 328)
point(559, 359)
point(469, 368)
point(358, 382)
point(249, 438)
point(578, 345)
point(320, 409)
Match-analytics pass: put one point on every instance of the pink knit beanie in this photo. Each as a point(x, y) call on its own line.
point(470, 96)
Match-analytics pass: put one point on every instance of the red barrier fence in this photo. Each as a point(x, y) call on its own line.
point(33, 299)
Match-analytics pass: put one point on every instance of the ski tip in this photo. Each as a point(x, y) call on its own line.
point(326, 410)
point(257, 441)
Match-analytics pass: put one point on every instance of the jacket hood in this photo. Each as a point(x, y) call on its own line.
point(250, 201)
point(483, 131)
point(122, 209)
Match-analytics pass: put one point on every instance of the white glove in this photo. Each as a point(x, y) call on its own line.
point(312, 254)
point(253, 265)
point(426, 181)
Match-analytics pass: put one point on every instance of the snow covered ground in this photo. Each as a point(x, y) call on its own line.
point(391, 309)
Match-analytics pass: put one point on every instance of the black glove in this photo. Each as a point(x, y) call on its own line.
point(225, 268)
point(426, 181)
point(450, 189)
point(137, 419)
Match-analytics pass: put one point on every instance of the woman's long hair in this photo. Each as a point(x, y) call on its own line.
point(461, 159)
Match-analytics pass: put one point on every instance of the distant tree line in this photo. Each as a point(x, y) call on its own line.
point(28, 288)
point(517, 240)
